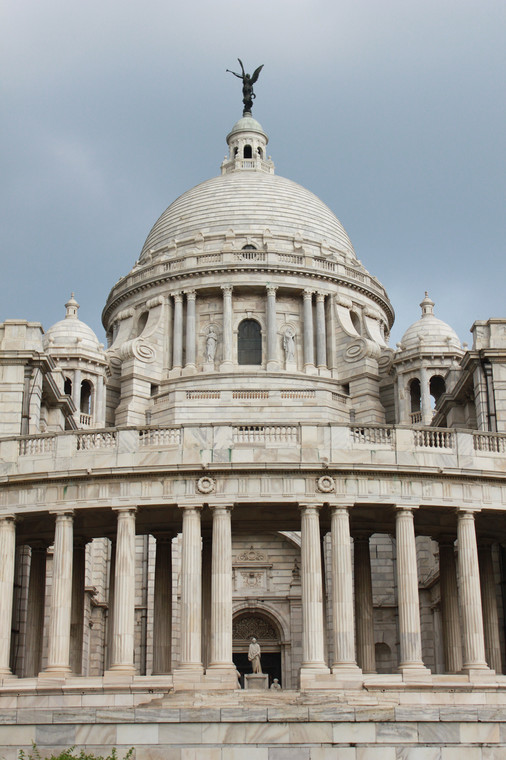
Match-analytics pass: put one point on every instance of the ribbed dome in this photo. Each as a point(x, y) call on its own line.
point(430, 332)
point(249, 202)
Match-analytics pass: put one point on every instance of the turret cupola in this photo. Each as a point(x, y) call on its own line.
point(247, 144)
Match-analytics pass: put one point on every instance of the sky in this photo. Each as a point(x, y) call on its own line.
point(391, 111)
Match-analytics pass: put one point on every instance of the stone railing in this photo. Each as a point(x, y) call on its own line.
point(416, 418)
point(305, 443)
point(177, 262)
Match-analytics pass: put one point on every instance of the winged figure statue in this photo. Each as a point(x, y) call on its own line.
point(247, 86)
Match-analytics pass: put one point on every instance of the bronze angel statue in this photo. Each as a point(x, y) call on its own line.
point(247, 86)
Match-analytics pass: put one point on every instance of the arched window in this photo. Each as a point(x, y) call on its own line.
point(236, 151)
point(67, 386)
point(249, 247)
point(247, 153)
point(437, 387)
point(260, 152)
point(86, 391)
point(249, 342)
point(355, 321)
point(415, 394)
point(141, 323)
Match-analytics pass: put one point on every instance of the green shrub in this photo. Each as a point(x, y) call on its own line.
point(69, 754)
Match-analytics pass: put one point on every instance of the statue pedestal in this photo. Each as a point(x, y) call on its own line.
point(256, 681)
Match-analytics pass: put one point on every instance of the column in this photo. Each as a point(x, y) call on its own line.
point(76, 394)
point(190, 330)
point(364, 611)
point(321, 332)
point(207, 558)
point(99, 411)
point(177, 340)
point(162, 606)
point(123, 613)
point(489, 605)
point(469, 592)
point(450, 619)
point(343, 628)
point(191, 590)
point(58, 655)
point(227, 362)
point(221, 588)
point(35, 611)
point(407, 590)
point(272, 333)
point(77, 609)
point(110, 602)
point(308, 330)
point(7, 561)
point(313, 657)
point(425, 396)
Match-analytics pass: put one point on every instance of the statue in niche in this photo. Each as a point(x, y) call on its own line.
point(289, 345)
point(211, 342)
point(254, 656)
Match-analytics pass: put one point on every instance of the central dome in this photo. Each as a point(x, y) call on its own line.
point(249, 202)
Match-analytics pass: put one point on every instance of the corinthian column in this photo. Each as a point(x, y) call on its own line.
point(470, 595)
point(227, 362)
point(308, 331)
point(123, 614)
point(366, 656)
point(190, 331)
point(321, 336)
point(221, 589)
point(407, 589)
point(272, 333)
point(342, 591)
point(177, 340)
point(489, 603)
point(58, 654)
point(162, 605)
point(191, 590)
point(7, 560)
point(452, 640)
point(313, 650)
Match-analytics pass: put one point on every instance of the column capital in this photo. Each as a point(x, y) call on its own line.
point(188, 506)
point(307, 293)
point(178, 297)
point(271, 290)
point(164, 537)
point(227, 289)
point(217, 505)
point(61, 513)
point(310, 505)
point(320, 297)
point(131, 508)
point(405, 508)
point(9, 518)
point(463, 512)
point(190, 294)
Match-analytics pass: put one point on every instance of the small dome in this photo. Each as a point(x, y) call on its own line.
point(246, 124)
point(71, 332)
point(430, 332)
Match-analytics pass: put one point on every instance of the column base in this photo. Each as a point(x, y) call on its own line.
point(272, 366)
point(55, 672)
point(120, 670)
point(175, 372)
point(227, 366)
point(415, 672)
point(323, 371)
point(310, 369)
point(341, 668)
point(190, 369)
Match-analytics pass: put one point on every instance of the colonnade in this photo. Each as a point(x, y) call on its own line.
point(184, 330)
point(352, 628)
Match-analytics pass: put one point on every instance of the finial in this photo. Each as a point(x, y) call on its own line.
point(427, 306)
point(71, 306)
point(247, 87)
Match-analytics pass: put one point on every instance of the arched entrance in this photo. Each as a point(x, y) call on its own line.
point(249, 623)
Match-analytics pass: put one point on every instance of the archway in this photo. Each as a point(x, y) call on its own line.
point(249, 623)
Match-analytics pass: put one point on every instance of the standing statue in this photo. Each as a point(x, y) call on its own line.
point(254, 656)
point(289, 345)
point(247, 86)
point(211, 341)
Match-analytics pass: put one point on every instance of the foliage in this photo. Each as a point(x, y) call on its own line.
point(69, 754)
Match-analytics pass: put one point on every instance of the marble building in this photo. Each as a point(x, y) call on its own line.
point(248, 456)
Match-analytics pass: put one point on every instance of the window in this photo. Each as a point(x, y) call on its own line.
point(260, 152)
point(437, 387)
point(247, 153)
point(141, 323)
point(249, 342)
point(67, 386)
point(415, 394)
point(355, 321)
point(86, 389)
point(249, 247)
